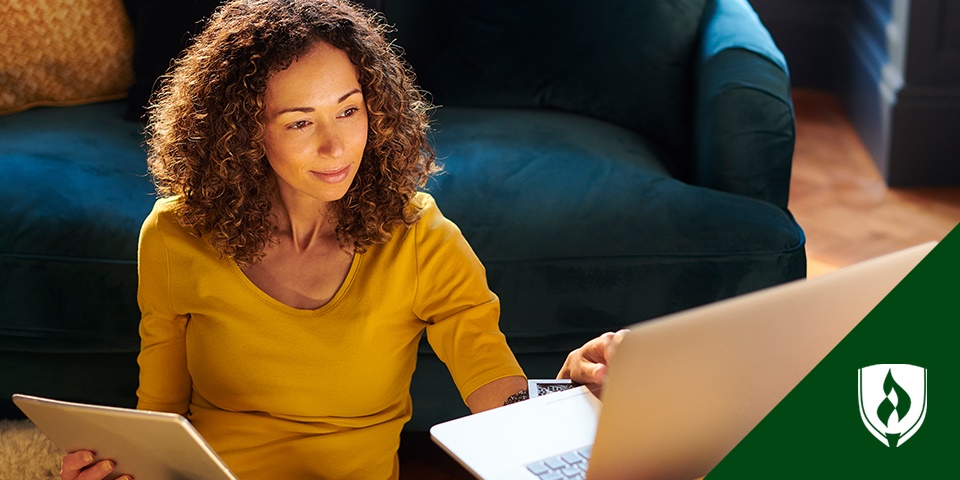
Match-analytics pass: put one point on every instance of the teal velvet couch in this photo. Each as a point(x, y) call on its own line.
point(608, 163)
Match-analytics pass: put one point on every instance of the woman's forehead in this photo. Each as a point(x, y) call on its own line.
point(323, 73)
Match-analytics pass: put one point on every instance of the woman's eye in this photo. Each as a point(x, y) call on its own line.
point(349, 112)
point(298, 125)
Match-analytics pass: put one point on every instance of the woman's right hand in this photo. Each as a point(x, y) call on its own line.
point(81, 465)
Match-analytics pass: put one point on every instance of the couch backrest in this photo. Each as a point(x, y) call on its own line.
point(625, 61)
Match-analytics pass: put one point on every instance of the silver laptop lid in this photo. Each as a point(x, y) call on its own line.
point(684, 389)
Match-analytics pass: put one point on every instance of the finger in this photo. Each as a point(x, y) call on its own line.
point(591, 353)
point(74, 462)
point(587, 373)
point(564, 372)
point(572, 366)
point(97, 471)
point(600, 349)
point(615, 342)
point(593, 374)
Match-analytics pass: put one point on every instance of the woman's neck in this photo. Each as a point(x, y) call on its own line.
point(304, 222)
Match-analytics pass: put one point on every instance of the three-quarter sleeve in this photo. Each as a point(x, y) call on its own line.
point(164, 379)
point(461, 312)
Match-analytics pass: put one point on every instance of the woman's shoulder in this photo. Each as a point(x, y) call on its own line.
point(164, 210)
point(164, 219)
point(162, 228)
point(427, 224)
point(166, 204)
point(433, 227)
point(429, 215)
point(422, 200)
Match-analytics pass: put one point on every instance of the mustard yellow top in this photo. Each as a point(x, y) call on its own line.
point(280, 392)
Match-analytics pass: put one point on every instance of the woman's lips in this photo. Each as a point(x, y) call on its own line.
point(333, 176)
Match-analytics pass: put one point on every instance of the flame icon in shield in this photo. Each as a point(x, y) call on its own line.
point(893, 401)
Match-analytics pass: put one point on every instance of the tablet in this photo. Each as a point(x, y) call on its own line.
point(147, 445)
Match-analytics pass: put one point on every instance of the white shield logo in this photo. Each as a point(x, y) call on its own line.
point(893, 401)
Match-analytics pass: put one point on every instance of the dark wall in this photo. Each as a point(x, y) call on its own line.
point(895, 65)
point(807, 32)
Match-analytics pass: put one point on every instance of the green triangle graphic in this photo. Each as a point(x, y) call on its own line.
point(817, 432)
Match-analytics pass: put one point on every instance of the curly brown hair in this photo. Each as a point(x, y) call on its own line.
point(206, 139)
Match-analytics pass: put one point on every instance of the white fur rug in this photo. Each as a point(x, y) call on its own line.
point(26, 453)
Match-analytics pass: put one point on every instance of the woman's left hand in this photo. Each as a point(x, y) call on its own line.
point(587, 365)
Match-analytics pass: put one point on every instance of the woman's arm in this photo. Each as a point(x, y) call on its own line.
point(495, 393)
point(165, 383)
point(586, 365)
point(461, 313)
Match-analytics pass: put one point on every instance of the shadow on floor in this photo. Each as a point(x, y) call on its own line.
point(421, 459)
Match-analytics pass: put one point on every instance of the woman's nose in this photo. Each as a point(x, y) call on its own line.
point(329, 142)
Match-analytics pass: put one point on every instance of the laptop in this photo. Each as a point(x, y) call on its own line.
point(147, 445)
point(681, 390)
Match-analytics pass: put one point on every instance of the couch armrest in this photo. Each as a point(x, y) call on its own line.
point(743, 114)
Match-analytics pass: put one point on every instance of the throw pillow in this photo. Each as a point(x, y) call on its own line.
point(63, 52)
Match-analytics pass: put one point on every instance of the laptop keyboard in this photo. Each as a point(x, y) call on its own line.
point(571, 465)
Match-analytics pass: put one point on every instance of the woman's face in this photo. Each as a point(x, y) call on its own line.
point(316, 125)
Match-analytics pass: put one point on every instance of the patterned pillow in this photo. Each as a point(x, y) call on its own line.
point(63, 52)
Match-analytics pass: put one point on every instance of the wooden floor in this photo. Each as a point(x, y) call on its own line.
point(838, 198)
point(841, 201)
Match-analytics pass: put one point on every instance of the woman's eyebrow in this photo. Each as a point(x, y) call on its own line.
point(351, 92)
point(311, 109)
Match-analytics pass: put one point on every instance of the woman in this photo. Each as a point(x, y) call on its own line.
point(290, 266)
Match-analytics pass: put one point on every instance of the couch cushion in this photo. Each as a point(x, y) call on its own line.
point(559, 208)
point(74, 188)
point(63, 52)
point(609, 60)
